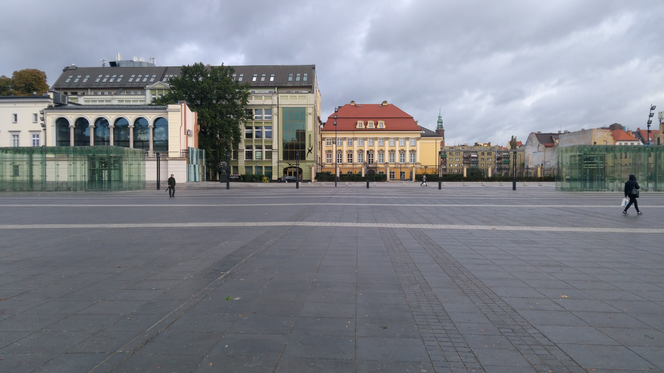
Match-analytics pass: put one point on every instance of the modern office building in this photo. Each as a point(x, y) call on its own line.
point(377, 139)
point(491, 159)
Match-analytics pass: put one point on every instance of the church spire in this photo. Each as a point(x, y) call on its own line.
point(440, 120)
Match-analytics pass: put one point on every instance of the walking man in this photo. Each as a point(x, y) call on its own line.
point(424, 180)
point(171, 187)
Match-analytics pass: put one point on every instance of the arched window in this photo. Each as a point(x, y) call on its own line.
point(62, 132)
point(141, 134)
point(160, 135)
point(81, 132)
point(102, 132)
point(121, 133)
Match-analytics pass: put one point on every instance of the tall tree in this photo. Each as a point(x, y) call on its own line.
point(5, 86)
point(28, 81)
point(219, 100)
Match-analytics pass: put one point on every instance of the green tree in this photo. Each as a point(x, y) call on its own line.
point(5, 86)
point(219, 100)
point(28, 81)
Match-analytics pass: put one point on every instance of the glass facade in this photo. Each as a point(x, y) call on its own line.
point(607, 167)
point(121, 133)
point(82, 168)
point(294, 129)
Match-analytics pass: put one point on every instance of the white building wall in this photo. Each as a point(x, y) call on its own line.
point(26, 125)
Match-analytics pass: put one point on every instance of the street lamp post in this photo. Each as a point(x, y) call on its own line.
point(438, 161)
point(652, 109)
point(366, 170)
point(336, 145)
point(297, 170)
point(514, 171)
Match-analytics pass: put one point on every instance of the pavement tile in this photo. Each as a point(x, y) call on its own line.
point(391, 349)
point(606, 358)
point(315, 365)
point(320, 346)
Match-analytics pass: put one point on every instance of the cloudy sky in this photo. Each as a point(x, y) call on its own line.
point(494, 68)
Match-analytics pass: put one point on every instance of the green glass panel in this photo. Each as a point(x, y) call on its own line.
point(607, 167)
point(67, 168)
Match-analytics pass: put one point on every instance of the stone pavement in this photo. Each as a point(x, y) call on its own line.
point(269, 278)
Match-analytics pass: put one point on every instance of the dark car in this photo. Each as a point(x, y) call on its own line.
point(287, 179)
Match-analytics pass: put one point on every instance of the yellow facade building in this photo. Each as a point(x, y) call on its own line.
point(377, 139)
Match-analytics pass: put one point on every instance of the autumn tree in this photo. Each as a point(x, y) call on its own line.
point(5, 86)
point(219, 101)
point(28, 81)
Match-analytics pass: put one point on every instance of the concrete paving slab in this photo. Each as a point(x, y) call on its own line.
point(272, 278)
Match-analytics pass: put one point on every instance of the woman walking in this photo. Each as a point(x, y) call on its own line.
point(632, 192)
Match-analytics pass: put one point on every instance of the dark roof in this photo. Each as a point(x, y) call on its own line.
point(546, 139)
point(428, 133)
point(348, 115)
point(108, 107)
point(33, 97)
point(74, 77)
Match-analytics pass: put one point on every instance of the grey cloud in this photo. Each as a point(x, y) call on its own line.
point(495, 69)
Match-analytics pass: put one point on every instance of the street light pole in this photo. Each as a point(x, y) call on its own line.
point(297, 169)
point(336, 145)
point(652, 109)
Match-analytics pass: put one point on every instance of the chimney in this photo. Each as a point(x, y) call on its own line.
point(352, 103)
point(117, 56)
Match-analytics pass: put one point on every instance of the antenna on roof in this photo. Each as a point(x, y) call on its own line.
point(103, 62)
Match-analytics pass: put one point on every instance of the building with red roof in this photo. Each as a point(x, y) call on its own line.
point(377, 139)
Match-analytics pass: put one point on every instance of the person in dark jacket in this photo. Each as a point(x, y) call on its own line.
point(171, 187)
point(631, 186)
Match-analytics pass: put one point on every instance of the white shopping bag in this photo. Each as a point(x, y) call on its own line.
point(625, 201)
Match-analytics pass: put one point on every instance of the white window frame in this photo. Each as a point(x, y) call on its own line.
point(381, 142)
point(349, 157)
point(391, 157)
point(328, 157)
point(360, 142)
point(391, 142)
point(360, 156)
point(412, 157)
point(328, 141)
point(340, 158)
point(381, 158)
point(340, 141)
point(35, 136)
point(14, 118)
point(370, 142)
point(413, 142)
point(35, 117)
point(349, 142)
point(16, 140)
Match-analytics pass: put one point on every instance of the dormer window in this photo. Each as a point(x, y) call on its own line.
point(370, 124)
point(271, 77)
point(240, 78)
point(381, 124)
point(360, 124)
point(262, 77)
point(254, 78)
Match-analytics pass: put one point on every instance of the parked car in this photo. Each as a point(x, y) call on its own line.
point(287, 179)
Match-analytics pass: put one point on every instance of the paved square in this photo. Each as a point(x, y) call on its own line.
point(396, 278)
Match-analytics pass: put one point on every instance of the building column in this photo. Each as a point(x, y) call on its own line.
point(111, 127)
point(131, 136)
point(71, 135)
point(92, 134)
point(151, 146)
